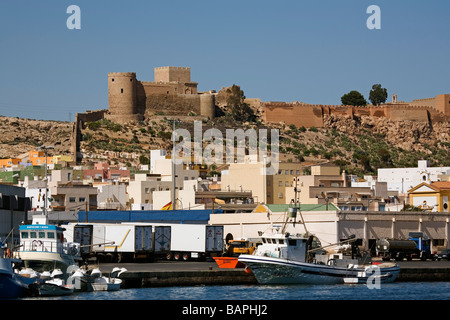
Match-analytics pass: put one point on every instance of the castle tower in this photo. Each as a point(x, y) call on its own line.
point(122, 97)
point(173, 74)
point(207, 105)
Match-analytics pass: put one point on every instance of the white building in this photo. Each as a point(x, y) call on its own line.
point(403, 179)
point(153, 191)
point(111, 196)
point(35, 190)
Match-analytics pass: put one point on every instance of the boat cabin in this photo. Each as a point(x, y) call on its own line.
point(41, 237)
point(283, 246)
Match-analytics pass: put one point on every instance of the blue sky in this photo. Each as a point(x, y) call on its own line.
point(311, 51)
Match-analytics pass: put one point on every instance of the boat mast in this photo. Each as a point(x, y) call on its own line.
point(294, 208)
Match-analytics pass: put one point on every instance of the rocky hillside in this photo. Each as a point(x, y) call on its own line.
point(18, 136)
point(359, 145)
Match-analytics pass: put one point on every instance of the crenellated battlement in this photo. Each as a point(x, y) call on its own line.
point(122, 74)
point(173, 68)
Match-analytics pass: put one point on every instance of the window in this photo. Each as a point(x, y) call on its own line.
point(292, 242)
point(121, 90)
point(72, 199)
point(280, 195)
point(24, 235)
point(33, 234)
point(286, 172)
point(41, 234)
point(112, 80)
point(280, 183)
point(51, 235)
point(81, 199)
point(292, 172)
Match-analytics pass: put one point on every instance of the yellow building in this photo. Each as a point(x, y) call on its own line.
point(265, 188)
point(61, 158)
point(431, 197)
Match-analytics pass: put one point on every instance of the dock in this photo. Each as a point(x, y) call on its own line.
point(159, 274)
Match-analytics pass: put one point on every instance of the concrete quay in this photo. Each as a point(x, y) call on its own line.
point(170, 273)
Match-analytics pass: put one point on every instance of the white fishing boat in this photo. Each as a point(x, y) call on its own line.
point(42, 247)
point(283, 258)
point(111, 283)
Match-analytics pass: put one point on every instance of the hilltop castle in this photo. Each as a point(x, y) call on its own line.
point(171, 93)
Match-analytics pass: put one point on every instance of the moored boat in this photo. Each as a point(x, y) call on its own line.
point(12, 284)
point(42, 247)
point(111, 283)
point(228, 262)
point(288, 259)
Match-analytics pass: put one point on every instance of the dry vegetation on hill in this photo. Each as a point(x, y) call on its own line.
point(359, 145)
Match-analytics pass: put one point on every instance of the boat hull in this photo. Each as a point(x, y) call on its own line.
point(52, 290)
point(279, 271)
point(11, 287)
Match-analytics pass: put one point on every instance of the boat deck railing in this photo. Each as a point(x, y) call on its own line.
point(50, 246)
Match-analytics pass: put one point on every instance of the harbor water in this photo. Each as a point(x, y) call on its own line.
point(387, 291)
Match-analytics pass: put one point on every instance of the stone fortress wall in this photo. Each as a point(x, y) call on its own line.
point(300, 114)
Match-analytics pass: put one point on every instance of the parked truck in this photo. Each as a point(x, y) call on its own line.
point(240, 246)
point(417, 246)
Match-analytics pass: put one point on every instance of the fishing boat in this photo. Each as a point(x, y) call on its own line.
point(12, 284)
point(42, 247)
point(283, 258)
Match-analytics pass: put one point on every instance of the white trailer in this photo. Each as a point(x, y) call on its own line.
point(186, 241)
point(112, 241)
point(195, 241)
point(131, 240)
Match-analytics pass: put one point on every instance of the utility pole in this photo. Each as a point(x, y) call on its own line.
point(174, 123)
point(46, 178)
